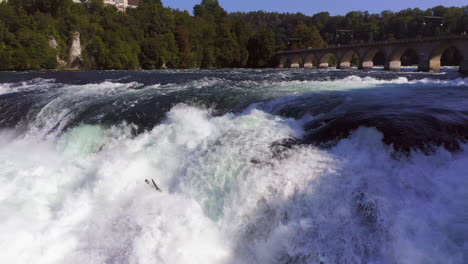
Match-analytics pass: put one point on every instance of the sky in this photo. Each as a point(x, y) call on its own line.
point(310, 7)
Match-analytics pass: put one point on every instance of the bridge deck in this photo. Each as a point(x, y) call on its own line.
point(377, 43)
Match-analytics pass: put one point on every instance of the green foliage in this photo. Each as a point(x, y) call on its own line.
point(210, 10)
point(183, 43)
point(159, 52)
point(155, 37)
point(309, 35)
point(44, 6)
point(261, 48)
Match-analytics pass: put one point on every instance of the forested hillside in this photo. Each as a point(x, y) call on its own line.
point(154, 37)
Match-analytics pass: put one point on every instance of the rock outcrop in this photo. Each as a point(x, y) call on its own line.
point(75, 51)
point(54, 44)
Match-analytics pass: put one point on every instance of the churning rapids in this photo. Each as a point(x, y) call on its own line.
point(256, 166)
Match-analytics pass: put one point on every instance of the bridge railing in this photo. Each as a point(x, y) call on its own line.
point(376, 43)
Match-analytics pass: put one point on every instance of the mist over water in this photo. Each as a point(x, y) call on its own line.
point(255, 166)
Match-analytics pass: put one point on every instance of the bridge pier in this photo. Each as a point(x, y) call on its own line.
point(464, 66)
point(295, 65)
point(310, 61)
point(429, 66)
point(344, 65)
point(394, 65)
point(323, 65)
point(366, 65)
point(429, 51)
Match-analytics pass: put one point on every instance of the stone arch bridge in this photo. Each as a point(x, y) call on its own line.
point(429, 50)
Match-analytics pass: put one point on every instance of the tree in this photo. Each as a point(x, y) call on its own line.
point(45, 6)
point(210, 10)
point(159, 52)
point(153, 36)
point(309, 35)
point(261, 48)
point(183, 43)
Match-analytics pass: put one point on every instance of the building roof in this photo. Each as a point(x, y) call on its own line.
point(133, 2)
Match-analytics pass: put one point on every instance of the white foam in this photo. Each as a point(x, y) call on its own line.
point(356, 82)
point(297, 87)
point(34, 84)
point(82, 197)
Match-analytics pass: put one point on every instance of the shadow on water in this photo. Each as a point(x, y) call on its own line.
point(335, 217)
point(298, 235)
point(416, 118)
point(356, 204)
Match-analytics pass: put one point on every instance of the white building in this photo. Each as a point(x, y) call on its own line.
point(119, 4)
point(122, 4)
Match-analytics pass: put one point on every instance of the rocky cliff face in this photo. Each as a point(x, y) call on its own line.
point(54, 44)
point(75, 51)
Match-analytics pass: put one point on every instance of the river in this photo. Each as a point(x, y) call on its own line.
point(255, 166)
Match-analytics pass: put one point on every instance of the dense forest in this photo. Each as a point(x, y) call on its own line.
point(154, 37)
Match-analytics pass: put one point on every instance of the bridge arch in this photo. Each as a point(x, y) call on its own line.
point(295, 61)
point(290, 61)
point(367, 60)
point(428, 54)
point(310, 61)
point(435, 60)
point(282, 62)
point(347, 57)
point(325, 59)
point(394, 62)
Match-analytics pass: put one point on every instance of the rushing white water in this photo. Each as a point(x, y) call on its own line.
point(230, 192)
point(37, 83)
point(82, 198)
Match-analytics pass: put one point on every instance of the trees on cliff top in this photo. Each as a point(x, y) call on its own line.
point(153, 36)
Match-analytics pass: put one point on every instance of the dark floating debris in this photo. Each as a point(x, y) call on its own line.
point(154, 184)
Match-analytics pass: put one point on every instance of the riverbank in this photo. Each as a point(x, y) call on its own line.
point(42, 36)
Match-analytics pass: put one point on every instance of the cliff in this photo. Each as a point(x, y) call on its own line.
point(75, 60)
